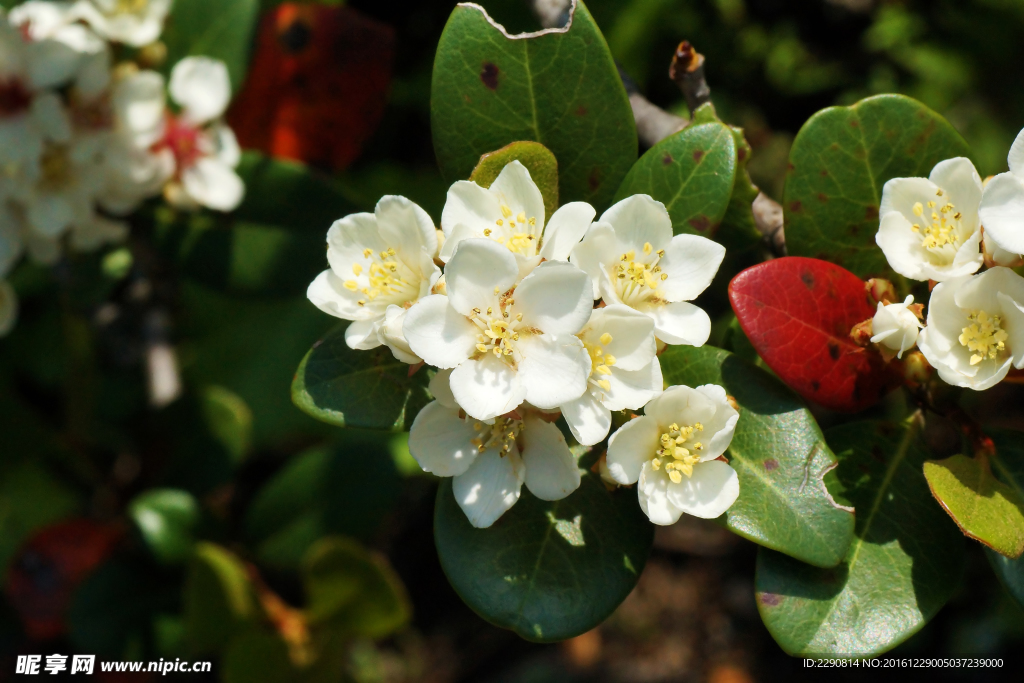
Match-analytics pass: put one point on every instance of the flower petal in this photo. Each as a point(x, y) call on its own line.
point(1015, 159)
point(597, 248)
point(554, 298)
point(551, 470)
point(683, 405)
point(588, 419)
point(489, 487)
point(515, 188)
point(631, 447)
point(632, 389)
point(213, 184)
point(1013, 323)
point(638, 220)
point(900, 195)
point(554, 369)
point(405, 226)
point(681, 323)
point(566, 228)
point(712, 490)
point(630, 335)
point(479, 272)
point(140, 106)
point(691, 263)
point(1002, 211)
point(202, 87)
point(441, 442)
point(653, 494)
point(438, 333)
point(722, 426)
point(441, 389)
point(327, 292)
point(962, 185)
point(487, 388)
point(362, 335)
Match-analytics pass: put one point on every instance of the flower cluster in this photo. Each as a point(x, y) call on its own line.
point(944, 229)
point(512, 328)
point(84, 140)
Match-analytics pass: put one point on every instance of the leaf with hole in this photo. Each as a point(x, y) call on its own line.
point(905, 562)
point(778, 453)
point(559, 87)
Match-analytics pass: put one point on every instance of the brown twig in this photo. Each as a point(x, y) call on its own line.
point(687, 70)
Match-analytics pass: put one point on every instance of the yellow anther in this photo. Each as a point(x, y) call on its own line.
point(985, 336)
point(931, 205)
point(505, 211)
point(361, 302)
point(519, 317)
point(648, 248)
point(367, 252)
point(609, 359)
point(487, 232)
point(606, 339)
point(357, 269)
point(939, 192)
point(603, 369)
point(604, 384)
point(499, 222)
point(918, 209)
point(351, 285)
point(521, 217)
point(497, 290)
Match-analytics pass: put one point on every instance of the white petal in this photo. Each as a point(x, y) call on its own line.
point(391, 333)
point(489, 487)
point(554, 369)
point(962, 185)
point(441, 389)
point(442, 443)
point(213, 184)
point(51, 215)
point(653, 494)
point(1002, 212)
point(555, 298)
point(722, 427)
point(712, 490)
point(683, 405)
point(565, 230)
point(405, 226)
point(439, 334)
point(515, 188)
point(597, 249)
point(50, 115)
point(1015, 159)
point(691, 263)
point(327, 292)
point(588, 419)
point(140, 106)
point(638, 220)
point(452, 240)
point(631, 447)
point(681, 323)
point(631, 335)
point(1013, 323)
point(228, 151)
point(551, 471)
point(51, 64)
point(479, 272)
point(347, 240)
point(900, 195)
point(487, 388)
point(362, 335)
point(631, 389)
point(470, 205)
point(980, 292)
point(202, 87)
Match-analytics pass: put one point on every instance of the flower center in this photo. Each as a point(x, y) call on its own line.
point(183, 140)
point(14, 98)
point(501, 435)
point(678, 452)
point(382, 276)
point(515, 232)
point(55, 166)
point(638, 280)
point(498, 330)
point(941, 225)
point(130, 6)
point(600, 362)
point(985, 336)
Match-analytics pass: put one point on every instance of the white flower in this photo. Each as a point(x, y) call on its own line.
point(52, 23)
point(378, 261)
point(8, 308)
point(929, 227)
point(391, 334)
point(975, 328)
point(895, 326)
point(671, 451)
point(508, 343)
point(490, 461)
point(1002, 204)
point(634, 260)
point(511, 212)
point(625, 372)
point(132, 22)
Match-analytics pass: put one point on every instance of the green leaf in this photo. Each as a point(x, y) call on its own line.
point(558, 87)
point(349, 388)
point(537, 159)
point(984, 508)
point(353, 591)
point(222, 30)
point(219, 599)
point(692, 173)
point(1008, 466)
point(230, 420)
point(838, 164)
point(546, 570)
point(30, 498)
point(166, 518)
point(903, 565)
point(780, 455)
point(738, 231)
point(258, 657)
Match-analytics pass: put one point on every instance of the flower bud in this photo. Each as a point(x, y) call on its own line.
point(895, 327)
point(880, 291)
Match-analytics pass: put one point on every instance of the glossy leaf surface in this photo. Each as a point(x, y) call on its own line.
point(537, 159)
point(839, 162)
point(546, 570)
point(558, 87)
point(221, 30)
point(1008, 467)
point(219, 598)
point(780, 455)
point(166, 518)
point(905, 561)
point(798, 314)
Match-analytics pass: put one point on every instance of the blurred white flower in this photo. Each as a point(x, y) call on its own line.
point(508, 343)
point(975, 328)
point(132, 22)
point(1002, 206)
point(634, 260)
point(379, 261)
point(624, 371)
point(929, 227)
point(671, 451)
point(895, 326)
point(490, 461)
point(511, 212)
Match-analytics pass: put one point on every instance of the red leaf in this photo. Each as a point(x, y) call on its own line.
point(798, 313)
point(49, 567)
point(318, 85)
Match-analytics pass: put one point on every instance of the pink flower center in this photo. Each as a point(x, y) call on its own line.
point(14, 98)
point(183, 139)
